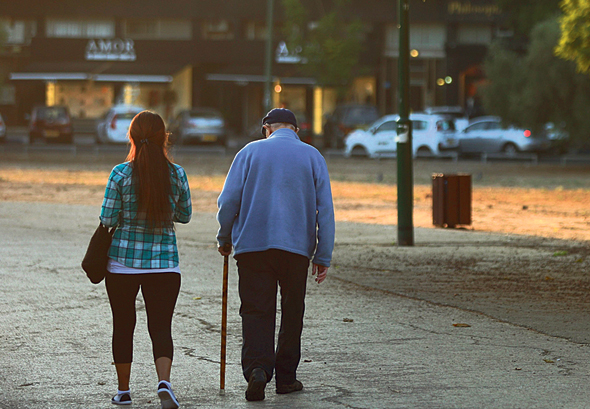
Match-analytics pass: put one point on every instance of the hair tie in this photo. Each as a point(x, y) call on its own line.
point(145, 141)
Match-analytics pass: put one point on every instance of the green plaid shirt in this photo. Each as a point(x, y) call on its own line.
point(134, 243)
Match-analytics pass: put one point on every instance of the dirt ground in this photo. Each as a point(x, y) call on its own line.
point(544, 200)
point(540, 282)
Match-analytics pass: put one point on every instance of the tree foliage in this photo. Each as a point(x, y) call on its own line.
point(574, 43)
point(525, 14)
point(538, 87)
point(330, 46)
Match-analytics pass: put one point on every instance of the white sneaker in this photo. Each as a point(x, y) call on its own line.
point(122, 399)
point(167, 398)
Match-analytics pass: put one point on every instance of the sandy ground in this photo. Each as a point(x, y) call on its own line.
point(540, 281)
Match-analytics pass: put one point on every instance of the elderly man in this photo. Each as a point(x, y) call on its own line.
point(276, 210)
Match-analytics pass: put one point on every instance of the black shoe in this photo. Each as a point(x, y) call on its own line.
point(288, 388)
point(256, 385)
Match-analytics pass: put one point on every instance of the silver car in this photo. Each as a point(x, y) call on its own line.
point(488, 135)
point(203, 125)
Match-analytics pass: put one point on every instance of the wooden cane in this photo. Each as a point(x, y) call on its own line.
point(226, 247)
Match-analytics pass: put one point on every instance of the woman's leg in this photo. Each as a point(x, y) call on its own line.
point(122, 290)
point(160, 291)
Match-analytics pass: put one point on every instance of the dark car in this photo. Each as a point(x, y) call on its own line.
point(2, 130)
point(202, 125)
point(345, 119)
point(51, 124)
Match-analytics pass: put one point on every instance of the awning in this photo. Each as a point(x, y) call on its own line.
point(79, 76)
point(98, 71)
point(245, 79)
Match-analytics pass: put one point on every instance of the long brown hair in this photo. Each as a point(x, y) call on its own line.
point(151, 168)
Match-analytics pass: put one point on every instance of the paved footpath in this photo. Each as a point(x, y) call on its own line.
point(362, 347)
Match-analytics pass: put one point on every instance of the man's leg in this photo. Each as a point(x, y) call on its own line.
point(293, 280)
point(258, 293)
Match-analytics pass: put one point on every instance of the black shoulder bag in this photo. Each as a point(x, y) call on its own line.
point(96, 258)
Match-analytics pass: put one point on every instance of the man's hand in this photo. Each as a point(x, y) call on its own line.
point(321, 271)
point(225, 250)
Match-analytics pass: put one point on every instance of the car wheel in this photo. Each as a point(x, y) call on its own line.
point(423, 151)
point(358, 152)
point(510, 149)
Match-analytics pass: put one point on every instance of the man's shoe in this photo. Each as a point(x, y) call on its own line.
point(167, 398)
point(256, 385)
point(121, 399)
point(288, 388)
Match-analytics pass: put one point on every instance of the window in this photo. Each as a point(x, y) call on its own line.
point(63, 28)
point(494, 126)
point(387, 126)
point(419, 125)
point(481, 126)
point(217, 30)
point(18, 32)
point(158, 29)
point(474, 34)
point(255, 30)
point(445, 125)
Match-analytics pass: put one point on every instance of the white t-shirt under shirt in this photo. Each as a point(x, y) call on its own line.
point(117, 268)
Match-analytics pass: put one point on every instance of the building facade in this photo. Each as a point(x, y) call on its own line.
point(167, 56)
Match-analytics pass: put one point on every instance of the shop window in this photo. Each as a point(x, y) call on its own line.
point(158, 29)
point(217, 30)
point(255, 30)
point(64, 28)
point(18, 32)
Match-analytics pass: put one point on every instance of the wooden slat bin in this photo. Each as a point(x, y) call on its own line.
point(451, 199)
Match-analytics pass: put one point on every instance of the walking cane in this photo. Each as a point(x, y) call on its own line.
point(226, 247)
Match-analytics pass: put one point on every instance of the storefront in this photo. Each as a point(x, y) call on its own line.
point(89, 76)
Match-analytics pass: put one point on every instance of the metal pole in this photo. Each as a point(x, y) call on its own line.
point(268, 57)
point(405, 188)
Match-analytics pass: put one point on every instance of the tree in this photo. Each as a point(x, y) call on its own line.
point(523, 15)
point(330, 48)
point(538, 87)
point(574, 43)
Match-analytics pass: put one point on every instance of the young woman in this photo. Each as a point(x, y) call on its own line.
point(144, 197)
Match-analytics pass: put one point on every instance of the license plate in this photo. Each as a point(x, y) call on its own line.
point(209, 138)
point(51, 134)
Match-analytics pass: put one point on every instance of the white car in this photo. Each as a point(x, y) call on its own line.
point(431, 134)
point(114, 126)
point(488, 135)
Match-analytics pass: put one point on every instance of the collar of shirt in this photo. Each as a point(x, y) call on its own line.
point(284, 132)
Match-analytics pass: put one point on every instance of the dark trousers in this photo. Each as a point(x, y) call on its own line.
point(160, 291)
point(259, 273)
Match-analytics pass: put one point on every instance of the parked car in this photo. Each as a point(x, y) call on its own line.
point(345, 119)
point(2, 130)
point(201, 125)
point(305, 131)
point(488, 135)
point(458, 113)
point(431, 134)
point(51, 124)
point(558, 136)
point(114, 126)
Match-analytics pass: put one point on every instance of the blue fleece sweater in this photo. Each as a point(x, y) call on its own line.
point(277, 195)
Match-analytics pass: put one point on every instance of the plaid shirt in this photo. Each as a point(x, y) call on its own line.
point(134, 243)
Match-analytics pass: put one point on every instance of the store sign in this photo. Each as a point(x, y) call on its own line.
point(283, 55)
point(463, 8)
point(110, 50)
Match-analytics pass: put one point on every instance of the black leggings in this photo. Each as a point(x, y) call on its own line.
point(160, 291)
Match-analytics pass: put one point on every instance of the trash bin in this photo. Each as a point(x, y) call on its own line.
point(451, 199)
